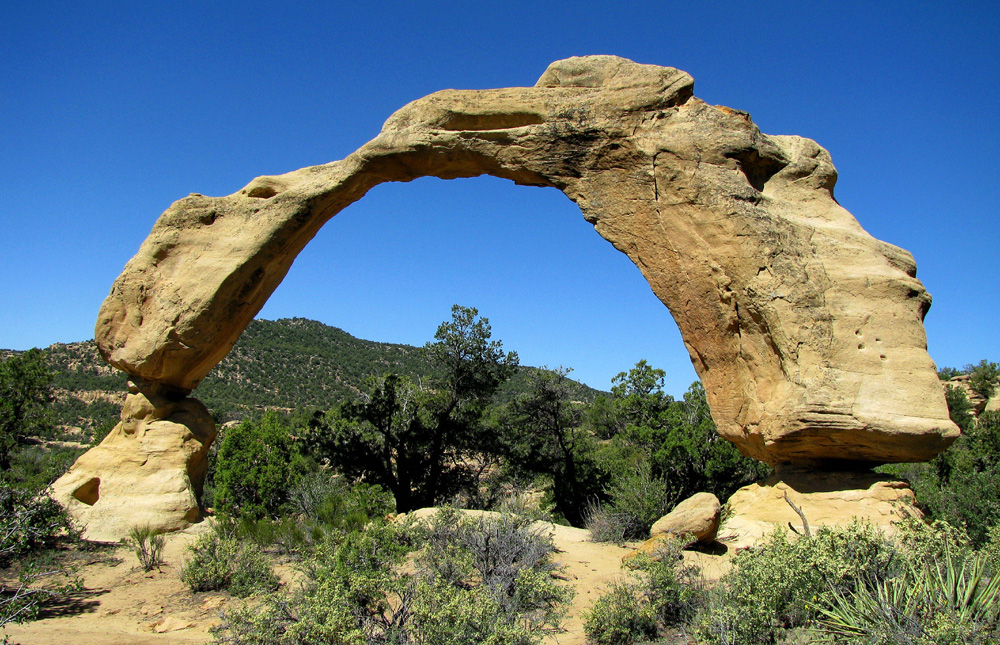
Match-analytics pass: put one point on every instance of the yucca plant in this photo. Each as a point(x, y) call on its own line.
point(942, 601)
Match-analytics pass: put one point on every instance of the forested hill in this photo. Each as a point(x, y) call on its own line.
point(289, 364)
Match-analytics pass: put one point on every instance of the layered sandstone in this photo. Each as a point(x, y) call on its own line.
point(792, 500)
point(148, 470)
point(806, 331)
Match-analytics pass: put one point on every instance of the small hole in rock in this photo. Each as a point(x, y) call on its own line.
point(89, 492)
point(262, 192)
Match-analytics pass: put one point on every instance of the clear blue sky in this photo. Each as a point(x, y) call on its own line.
point(111, 111)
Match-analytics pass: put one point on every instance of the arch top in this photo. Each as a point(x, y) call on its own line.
point(806, 332)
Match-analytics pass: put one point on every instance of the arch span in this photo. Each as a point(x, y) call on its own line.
point(806, 331)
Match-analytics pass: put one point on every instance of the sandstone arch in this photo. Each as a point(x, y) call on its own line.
point(806, 332)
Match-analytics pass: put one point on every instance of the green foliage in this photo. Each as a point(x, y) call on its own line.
point(219, 561)
point(639, 499)
point(258, 464)
point(943, 600)
point(322, 507)
point(959, 408)
point(661, 591)
point(542, 432)
point(776, 585)
point(147, 544)
point(619, 617)
point(25, 391)
point(948, 373)
point(961, 486)
point(486, 582)
point(30, 522)
point(34, 466)
point(667, 451)
point(421, 441)
point(983, 378)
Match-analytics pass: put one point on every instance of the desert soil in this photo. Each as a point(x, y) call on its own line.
point(122, 605)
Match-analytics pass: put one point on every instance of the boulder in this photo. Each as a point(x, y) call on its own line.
point(696, 519)
point(150, 469)
point(824, 498)
point(697, 516)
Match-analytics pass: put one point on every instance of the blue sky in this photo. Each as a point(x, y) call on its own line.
point(111, 111)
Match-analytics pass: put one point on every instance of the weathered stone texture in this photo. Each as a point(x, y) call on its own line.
point(806, 331)
point(148, 470)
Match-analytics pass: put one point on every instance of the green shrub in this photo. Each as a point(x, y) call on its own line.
point(661, 591)
point(942, 601)
point(258, 464)
point(983, 378)
point(776, 585)
point(30, 521)
point(221, 562)
point(620, 616)
point(638, 499)
point(147, 545)
point(487, 581)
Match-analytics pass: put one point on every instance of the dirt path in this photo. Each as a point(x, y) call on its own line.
point(122, 605)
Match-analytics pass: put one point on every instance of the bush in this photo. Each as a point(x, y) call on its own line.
point(620, 617)
point(258, 464)
point(662, 591)
point(29, 522)
point(983, 378)
point(147, 544)
point(220, 562)
point(487, 581)
point(775, 586)
point(638, 499)
point(945, 600)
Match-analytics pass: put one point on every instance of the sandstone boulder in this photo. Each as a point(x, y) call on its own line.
point(697, 516)
point(148, 470)
point(696, 520)
point(824, 498)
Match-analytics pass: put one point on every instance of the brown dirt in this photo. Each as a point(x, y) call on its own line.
point(122, 605)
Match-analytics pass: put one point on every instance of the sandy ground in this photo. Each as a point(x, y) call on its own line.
point(122, 605)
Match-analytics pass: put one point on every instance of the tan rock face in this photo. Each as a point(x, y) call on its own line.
point(148, 470)
point(806, 331)
point(697, 516)
point(833, 499)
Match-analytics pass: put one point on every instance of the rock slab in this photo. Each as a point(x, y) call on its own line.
point(825, 498)
point(697, 516)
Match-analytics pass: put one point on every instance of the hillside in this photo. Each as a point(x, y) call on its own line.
point(287, 364)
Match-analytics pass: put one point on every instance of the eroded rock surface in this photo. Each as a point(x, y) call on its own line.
point(806, 331)
point(148, 470)
point(833, 499)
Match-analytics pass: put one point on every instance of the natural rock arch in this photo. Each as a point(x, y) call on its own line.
point(806, 332)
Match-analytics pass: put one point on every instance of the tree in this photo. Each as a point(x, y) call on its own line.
point(419, 440)
point(983, 378)
point(679, 440)
point(258, 464)
point(640, 395)
point(544, 434)
point(25, 392)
